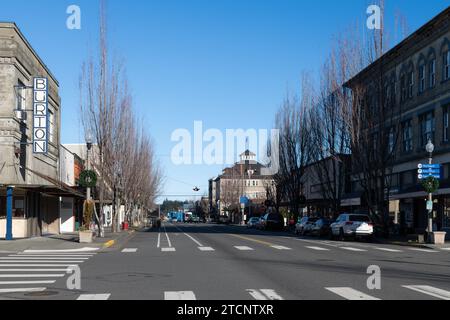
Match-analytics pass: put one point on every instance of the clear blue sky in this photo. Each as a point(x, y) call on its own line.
point(228, 63)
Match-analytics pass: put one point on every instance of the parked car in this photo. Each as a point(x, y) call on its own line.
point(272, 221)
point(195, 219)
point(304, 225)
point(352, 225)
point(261, 223)
point(321, 227)
point(253, 222)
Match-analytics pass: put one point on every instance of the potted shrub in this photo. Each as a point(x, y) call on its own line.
point(86, 235)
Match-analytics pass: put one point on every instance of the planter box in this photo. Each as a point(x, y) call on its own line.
point(438, 238)
point(86, 236)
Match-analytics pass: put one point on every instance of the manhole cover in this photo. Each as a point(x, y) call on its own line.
point(41, 294)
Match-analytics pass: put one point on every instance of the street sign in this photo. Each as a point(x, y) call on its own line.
point(243, 200)
point(429, 205)
point(429, 166)
point(429, 171)
point(424, 176)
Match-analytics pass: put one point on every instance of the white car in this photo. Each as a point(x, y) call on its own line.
point(352, 225)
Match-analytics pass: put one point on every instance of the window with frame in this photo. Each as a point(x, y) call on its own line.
point(391, 140)
point(20, 96)
point(410, 84)
point(407, 136)
point(422, 79)
point(51, 126)
point(403, 87)
point(446, 130)
point(432, 71)
point(447, 65)
point(427, 128)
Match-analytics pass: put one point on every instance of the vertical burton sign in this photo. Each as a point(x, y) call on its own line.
point(40, 116)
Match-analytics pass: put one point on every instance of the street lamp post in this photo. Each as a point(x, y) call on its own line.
point(430, 149)
point(89, 147)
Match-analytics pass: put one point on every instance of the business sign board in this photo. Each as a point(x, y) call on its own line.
point(40, 116)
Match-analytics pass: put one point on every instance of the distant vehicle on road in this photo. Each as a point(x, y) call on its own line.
point(321, 228)
point(272, 221)
point(352, 225)
point(253, 222)
point(304, 225)
point(195, 219)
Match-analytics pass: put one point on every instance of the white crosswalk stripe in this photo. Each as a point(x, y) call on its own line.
point(20, 290)
point(244, 248)
point(281, 248)
point(179, 295)
point(92, 297)
point(27, 282)
point(12, 276)
point(351, 294)
point(30, 268)
point(318, 248)
point(388, 250)
point(264, 294)
point(168, 250)
point(353, 249)
point(206, 249)
point(130, 250)
point(40, 258)
point(431, 291)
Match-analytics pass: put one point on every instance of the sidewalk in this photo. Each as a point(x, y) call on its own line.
point(68, 241)
point(404, 241)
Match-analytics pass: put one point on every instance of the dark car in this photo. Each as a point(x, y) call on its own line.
point(321, 228)
point(253, 222)
point(272, 221)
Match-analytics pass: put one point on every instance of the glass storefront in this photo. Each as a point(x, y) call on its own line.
point(446, 215)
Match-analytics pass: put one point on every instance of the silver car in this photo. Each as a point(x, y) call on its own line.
point(352, 225)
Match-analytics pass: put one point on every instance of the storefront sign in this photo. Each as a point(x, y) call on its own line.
point(40, 116)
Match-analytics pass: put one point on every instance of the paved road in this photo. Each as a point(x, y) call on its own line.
point(215, 262)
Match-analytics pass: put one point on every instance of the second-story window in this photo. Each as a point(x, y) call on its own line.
point(21, 97)
point(432, 70)
point(403, 87)
point(410, 84)
point(391, 140)
point(421, 79)
point(407, 136)
point(51, 126)
point(446, 128)
point(447, 65)
point(427, 128)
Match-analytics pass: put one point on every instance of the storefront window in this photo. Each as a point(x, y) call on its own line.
point(2, 207)
point(18, 207)
point(446, 217)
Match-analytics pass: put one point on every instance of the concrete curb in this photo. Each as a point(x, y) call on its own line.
point(409, 244)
